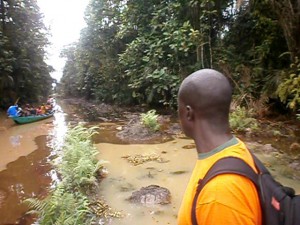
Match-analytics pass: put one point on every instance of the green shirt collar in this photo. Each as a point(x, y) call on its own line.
point(232, 141)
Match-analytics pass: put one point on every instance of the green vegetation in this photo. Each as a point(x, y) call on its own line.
point(23, 38)
point(289, 89)
point(79, 169)
point(79, 165)
point(137, 52)
point(149, 120)
point(62, 207)
point(241, 120)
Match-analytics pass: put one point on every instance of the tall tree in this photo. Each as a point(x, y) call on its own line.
point(138, 51)
point(288, 13)
point(25, 38)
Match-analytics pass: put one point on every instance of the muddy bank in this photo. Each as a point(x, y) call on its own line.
point(90, 111)
point(129, 128)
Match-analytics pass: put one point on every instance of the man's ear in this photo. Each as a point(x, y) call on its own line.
point(189, 113)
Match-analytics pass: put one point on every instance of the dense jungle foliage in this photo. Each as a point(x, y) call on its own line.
point(23, 71)
point(137, 52)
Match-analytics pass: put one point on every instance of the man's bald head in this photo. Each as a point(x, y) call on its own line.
point(208, 93)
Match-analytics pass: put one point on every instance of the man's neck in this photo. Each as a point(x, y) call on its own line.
point(208, 139)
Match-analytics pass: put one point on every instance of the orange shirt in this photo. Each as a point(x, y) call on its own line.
point(43, 109)
point(226, 199)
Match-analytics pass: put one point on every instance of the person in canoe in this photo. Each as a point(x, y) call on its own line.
point(25, 111)
point(33, 111)
point(49, 107)
point(43, 109)
point(14, 110)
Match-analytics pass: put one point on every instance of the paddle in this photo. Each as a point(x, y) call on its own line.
point(17, 101)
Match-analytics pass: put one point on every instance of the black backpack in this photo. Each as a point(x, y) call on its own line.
point(279, 204)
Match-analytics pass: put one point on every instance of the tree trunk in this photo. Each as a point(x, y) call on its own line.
point(2, 15)
point(288, 12)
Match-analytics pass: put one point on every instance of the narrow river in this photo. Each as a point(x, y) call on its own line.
point(25, 170)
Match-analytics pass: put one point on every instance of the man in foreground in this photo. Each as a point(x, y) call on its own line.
point(204, 101)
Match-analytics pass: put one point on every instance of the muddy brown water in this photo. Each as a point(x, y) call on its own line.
point(25, 171)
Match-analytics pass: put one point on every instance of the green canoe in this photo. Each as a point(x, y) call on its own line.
point(30, 119)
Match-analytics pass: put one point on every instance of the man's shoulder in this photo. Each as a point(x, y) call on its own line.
point(228, 189)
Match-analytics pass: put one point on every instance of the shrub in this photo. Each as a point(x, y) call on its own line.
point(241, 119)
point(150, 121)
point(289, 90)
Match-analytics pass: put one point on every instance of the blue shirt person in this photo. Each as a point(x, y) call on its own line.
point(13, 110)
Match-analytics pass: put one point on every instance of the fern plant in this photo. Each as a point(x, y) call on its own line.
point(68, 203)
point(61, 208)
point(241, 119)
point(149, 120)
point(79, 164)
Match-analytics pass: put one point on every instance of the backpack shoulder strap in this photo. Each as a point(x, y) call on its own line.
point(231, 165)
point(227, 165)
point(259, 165)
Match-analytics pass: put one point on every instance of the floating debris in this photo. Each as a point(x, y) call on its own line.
point(101, 209)
point(178, 172)
point(140, 159)
point(190, 146)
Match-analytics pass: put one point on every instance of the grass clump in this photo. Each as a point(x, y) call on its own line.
point(241, 120)
point(150, 121)
point(69, 202)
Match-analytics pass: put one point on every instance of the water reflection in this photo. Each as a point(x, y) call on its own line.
point(15, 140)
point(26, 152)
point(57, 134)
point(26, 177)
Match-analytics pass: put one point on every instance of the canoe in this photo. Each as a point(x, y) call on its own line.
point(30, 119)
